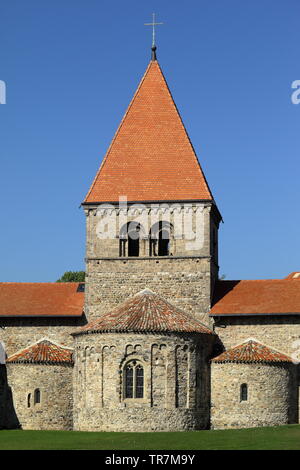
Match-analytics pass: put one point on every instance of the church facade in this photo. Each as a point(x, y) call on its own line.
point(153, 340)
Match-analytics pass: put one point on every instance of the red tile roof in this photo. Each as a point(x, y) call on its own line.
point(43, 352)
point(257, 297)
point(18, 299)
point(145, 312)
point(151, 157)
point(252, 352)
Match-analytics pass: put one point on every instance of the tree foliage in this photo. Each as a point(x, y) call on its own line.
point(72, 276)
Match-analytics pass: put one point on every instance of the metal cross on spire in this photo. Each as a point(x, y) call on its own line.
point(153, 24)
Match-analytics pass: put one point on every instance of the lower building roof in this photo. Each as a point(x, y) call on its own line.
point(43, 352)
point(257, 297)
point(251, 351)
point(37, 299)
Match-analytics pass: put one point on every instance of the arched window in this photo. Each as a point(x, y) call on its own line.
point(160, 239)
point(130, 239)
point(133, 380)
point(134, 239)
point(244, 392)
point(37, 396)
point(163, 242)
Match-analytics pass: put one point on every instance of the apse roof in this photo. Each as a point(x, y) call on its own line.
point(145, 312)
point(43, 352)
point(251, 351)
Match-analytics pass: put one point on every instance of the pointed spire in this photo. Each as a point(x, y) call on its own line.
point(151, 157)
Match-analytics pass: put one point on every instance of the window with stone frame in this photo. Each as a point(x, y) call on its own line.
point(244, 392)
point(133, 378)
point(129, 244)
point(37, 396)
point(160, 235)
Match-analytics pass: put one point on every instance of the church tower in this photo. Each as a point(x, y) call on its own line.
point(151, 220)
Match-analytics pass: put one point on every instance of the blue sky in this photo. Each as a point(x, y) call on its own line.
point(71, 68)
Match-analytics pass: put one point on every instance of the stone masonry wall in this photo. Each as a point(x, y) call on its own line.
point(272, 398)
point(104, 226)
point(19, 333)
point(185, 277)
point(56, 389)
point(183, 282)
point(281, 332)
point(176, 382)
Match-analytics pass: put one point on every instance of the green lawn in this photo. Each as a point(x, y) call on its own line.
point(275, 438)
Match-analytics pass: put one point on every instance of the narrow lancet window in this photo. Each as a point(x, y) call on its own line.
point(244, 392)
point(37, 396)
point(139, 381)
point(129, 381)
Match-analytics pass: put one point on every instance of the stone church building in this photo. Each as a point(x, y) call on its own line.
point(153, 340)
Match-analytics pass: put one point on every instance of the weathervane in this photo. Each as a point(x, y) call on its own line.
point(153, 24)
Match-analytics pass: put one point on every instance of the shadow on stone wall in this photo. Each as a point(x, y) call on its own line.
point(8, 416)
point(218, 348)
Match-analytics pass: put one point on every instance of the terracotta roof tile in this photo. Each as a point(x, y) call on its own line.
point(43, 352)
point(252, 352)
point(257, 297)
point(145, 312)
point(151, 157)
point(21, 299)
